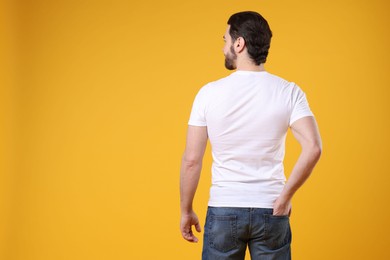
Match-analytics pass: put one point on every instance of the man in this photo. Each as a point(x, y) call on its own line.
point(246, 117)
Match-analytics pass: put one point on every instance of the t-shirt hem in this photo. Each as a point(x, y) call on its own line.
point(196, 123)
point(301, 116)
point(240, 205)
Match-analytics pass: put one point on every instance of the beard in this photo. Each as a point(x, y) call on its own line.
point(230, 59)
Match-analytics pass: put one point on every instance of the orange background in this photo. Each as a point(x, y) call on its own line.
point(95, 98)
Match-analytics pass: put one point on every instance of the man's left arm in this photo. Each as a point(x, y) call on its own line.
point(191, 167)
point(305, 130)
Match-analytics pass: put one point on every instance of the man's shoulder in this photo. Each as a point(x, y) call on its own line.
point(277, 79)
point(267, 78)
point(215, 84)
point(219, 81)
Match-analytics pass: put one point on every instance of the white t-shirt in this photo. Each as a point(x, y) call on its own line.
point(247, 115)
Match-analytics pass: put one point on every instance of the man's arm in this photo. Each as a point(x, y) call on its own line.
point(191, 166)
point(305, 130)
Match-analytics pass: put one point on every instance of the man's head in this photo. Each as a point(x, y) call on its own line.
point(250, 31)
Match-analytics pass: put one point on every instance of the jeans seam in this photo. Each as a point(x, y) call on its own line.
point(250, 222)
point(265, 218)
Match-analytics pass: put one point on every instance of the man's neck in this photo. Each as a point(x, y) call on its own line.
point(249, 66)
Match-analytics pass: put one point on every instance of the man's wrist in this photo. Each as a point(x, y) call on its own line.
point(186, 210)
point(285, 196)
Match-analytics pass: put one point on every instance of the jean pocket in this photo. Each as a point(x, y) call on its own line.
point(223, 232)
point(277, 232)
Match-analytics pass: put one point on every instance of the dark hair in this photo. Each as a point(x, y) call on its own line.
point(255, 31)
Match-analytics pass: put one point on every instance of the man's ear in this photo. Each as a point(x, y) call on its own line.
point(239, 44)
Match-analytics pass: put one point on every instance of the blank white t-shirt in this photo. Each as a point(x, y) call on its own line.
point(247, 115)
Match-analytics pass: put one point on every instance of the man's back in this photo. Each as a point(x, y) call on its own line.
point(247, 115)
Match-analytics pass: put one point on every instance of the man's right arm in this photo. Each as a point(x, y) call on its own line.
point(191, 167)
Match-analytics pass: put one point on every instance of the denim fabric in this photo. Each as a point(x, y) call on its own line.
point(228, 231)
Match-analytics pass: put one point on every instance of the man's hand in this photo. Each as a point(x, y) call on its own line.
point(282, 207)
point(186, 223)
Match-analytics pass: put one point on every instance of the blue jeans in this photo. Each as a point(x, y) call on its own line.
point(228, 231)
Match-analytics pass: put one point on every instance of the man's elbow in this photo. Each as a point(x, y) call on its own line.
point(191, 161)
point(312, 149)
point(316, 151)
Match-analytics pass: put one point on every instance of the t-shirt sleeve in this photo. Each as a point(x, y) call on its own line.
point(198, 117)
point(300, 106)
